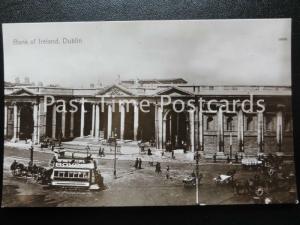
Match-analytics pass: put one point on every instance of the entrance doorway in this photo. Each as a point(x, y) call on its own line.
point(26, 121)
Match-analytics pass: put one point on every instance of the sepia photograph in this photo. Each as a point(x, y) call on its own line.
point(148, 113)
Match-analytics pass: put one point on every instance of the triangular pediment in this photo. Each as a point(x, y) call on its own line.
point(115, 90)
point(22, 92)
point(174, 92)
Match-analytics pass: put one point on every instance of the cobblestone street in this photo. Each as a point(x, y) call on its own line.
point(133, 187)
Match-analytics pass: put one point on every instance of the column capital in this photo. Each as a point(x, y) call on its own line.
point(13, 103)
point(136, 103)
point(34, 103)
point(280, 106)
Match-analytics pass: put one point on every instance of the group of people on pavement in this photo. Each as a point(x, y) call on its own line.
point(228, 159)
point(138, 163)
point(158, 170)
point(101, 152)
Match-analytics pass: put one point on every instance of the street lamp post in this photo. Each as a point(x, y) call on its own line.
point(197, 177)
point(230, 143)
point(115, 154)
point(31, 150)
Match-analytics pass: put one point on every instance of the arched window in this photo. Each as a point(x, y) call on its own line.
point(287, 123)
point(249, 123)
point(209, 123)
point(269, 123)
point(229, 123)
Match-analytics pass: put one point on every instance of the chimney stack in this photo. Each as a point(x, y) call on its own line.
point(26, 80)
point(17, 80)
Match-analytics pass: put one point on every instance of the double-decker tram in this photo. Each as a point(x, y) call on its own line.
point(76, 173)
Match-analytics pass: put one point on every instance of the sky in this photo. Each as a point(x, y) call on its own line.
point(203, 52)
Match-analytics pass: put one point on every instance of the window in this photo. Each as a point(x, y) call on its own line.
point(209, 123)
point(229, 123)
point(269, 123)
point(249, 123)
point(287, 123)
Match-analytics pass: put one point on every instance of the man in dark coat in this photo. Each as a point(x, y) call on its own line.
point(236, 157)
point(158, 168)
point(136, 163)
point(215, 157)
point(140, 163)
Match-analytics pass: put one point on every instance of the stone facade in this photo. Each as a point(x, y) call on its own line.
point(101, 115)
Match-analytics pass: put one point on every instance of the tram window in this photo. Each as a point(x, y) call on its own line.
point(81, 175)
point(61, 174)
point(66, 174)
point(71, 174)
point(55, 173)
point(75, 174)
point(86, 175)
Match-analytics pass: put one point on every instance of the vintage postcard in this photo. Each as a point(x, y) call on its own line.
point(148, 113)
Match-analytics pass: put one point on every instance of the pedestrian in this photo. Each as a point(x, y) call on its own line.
point(100, 151)
point(149, 151)
point(140, 163)
point(193, 174)
point(228, 159)
point(173, 156)
point(215, 157)
point(136, 163)
point(236, 157)
point(168, 172)
point(158, 168)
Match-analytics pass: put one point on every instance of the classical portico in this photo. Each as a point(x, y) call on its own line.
point(115, 110)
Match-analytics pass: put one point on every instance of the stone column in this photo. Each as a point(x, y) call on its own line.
point(109, 121)
point(279, 123)
point(200, 118)
point(35, 124)
point(72, 124)
point(196, 129)
point(97, 119)
point(122, 125)
point(164, 133)
point(260, 131)
point(5, 119)
point(192, 129)
point(82, 118)
point(54, 121)
point(170, 127)
point(63, 124)
point(220, 133)
point(136, 121)
point(156, 125)
point(15, 135)
point(240, 134)
point(160, 126)
point(93, 120)
point(42, 116)
point(18, 124)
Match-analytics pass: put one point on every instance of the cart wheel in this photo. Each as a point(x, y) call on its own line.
point(259, 191)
